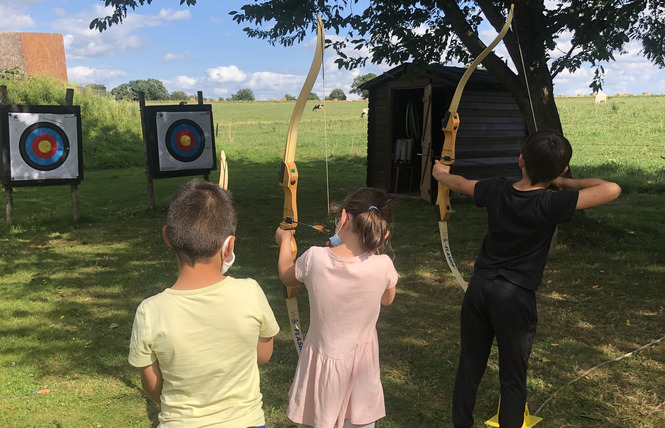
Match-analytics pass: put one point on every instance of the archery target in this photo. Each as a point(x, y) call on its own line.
point(184, 140)
point(43, 146)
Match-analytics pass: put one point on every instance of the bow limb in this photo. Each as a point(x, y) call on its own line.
point(288, 178)
point(223, 171)
point(451, 124)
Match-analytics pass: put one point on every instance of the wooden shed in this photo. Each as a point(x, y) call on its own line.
point(406, 107)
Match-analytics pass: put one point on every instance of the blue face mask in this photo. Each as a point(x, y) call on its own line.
point(335, 240)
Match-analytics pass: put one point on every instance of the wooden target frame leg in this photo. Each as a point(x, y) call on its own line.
point(76, 208)
point(9, 205)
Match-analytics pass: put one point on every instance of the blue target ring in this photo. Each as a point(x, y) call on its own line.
point(44, 146)
point(185, 140)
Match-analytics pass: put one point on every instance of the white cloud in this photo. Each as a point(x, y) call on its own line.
point(164, 15)
point(182, 82)
point(102, 75)
point(226, 74)
point(14, 18)
point(82, 43)
point(171, 57)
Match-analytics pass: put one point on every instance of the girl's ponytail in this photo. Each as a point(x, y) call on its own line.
point(370, 210)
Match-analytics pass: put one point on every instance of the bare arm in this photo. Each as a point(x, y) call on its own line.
point(388, 296)
point(456, 183)
point(592, 191)
point(285, 266)
point(151, 379)
point(264, 350)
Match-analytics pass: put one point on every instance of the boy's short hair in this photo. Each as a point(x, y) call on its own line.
point(546, 155)
point(201, 216)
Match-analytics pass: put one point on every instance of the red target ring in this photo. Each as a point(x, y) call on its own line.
point(44, 146)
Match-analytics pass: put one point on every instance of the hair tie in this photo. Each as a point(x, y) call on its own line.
point(372, 207)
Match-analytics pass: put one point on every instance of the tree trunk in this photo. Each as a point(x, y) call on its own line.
point(523, 41)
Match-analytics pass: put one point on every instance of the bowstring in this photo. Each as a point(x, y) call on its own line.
point(325, 126)
point(526, 81)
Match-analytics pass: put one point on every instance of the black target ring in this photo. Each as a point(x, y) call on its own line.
point(44, 146)
point(185, 140)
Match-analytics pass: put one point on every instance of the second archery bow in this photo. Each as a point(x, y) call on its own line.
point(288, 179)
point(451, 123)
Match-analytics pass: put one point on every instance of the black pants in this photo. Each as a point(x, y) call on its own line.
point(495, 308)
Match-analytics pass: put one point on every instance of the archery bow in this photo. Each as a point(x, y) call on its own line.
point(223, 171)
point(288, 179)
point(451, 123)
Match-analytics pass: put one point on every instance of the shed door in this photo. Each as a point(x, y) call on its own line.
point(426, 146)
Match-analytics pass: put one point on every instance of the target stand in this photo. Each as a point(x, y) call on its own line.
point(179, 141)
point(41, 146)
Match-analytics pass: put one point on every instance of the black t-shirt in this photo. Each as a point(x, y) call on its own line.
point(520, 229)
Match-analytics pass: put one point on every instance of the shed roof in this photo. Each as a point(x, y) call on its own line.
point(443, 74)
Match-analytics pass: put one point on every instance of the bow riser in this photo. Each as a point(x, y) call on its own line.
point(451, 125)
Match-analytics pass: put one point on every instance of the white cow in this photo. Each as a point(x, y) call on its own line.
point(365, 112)
point(600, 98)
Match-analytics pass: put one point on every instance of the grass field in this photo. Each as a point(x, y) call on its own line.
point(69, 289)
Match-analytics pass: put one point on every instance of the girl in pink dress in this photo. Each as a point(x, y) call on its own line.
point(337, 381)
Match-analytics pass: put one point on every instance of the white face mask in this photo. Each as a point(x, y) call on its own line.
point(226, 264)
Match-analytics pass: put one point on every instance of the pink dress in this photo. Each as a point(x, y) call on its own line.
point(338, 374)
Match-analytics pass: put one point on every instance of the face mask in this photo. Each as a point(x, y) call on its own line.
point(335, 240)
point(226, 264)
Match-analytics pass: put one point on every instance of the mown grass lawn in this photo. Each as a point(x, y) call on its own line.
point(69, 289)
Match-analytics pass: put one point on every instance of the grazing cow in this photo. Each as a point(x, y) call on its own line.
point(183, 103)
point(318, 107)
point(600, 98)
point(365, 112)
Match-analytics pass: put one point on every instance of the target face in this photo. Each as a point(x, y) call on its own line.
point(185, 140)
point(44, 146)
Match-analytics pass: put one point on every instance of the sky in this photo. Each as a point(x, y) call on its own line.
point(201, 48)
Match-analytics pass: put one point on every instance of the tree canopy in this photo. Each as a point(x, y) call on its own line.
point(546, 38)
point(337, 94)
point(363, 78)
point(179, 96)
point(153, 89)
point(243, 95)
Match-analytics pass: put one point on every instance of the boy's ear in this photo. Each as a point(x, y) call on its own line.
point(564, 171)
point(166, 238)
point(229, 247)
point(520, 162)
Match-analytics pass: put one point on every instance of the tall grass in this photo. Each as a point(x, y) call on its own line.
point(111, 131)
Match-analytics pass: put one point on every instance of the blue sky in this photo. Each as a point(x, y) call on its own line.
point(201, 48)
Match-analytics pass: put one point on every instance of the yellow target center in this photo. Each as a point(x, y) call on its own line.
point(185, 140)
point(44, 146)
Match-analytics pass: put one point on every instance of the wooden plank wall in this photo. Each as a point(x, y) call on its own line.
point(491, 131)
point(379, 137)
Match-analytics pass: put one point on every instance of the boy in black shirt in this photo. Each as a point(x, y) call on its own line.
point(500, 300)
